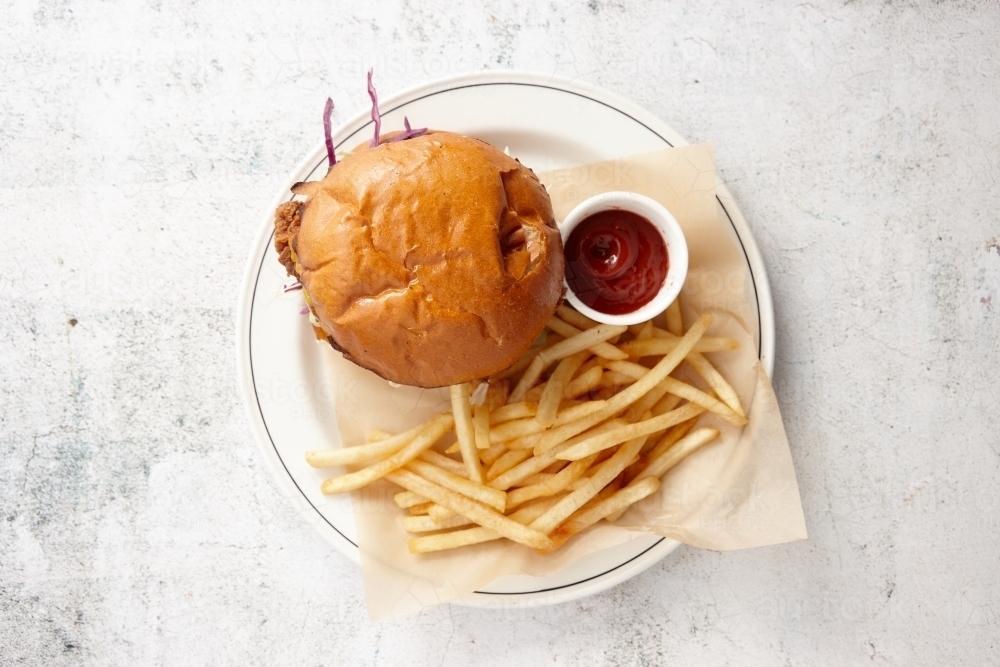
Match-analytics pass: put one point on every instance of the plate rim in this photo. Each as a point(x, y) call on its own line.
point(343, 133)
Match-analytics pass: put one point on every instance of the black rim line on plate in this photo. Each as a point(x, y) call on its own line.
point(271, 239)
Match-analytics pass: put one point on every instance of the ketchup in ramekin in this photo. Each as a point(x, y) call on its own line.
point(616, 261)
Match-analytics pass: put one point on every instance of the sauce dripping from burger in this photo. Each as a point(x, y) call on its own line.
point(616, 261)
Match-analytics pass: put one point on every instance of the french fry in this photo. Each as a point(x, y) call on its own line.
point(438, 513)
point(528, 380)
point(485, 516)
point(640, 461)
point(512, 411)
point(465, 431)
point(543, 442)
point(641, 330)
point(605, 493)
point(537, 478)
point(540, 443)
point(666, 403)
point(617, 504)
point(421, 509)
point(652, 347)
point(377, 435)
point(670, 438)
point(553, 485)
point(681, 389)
point(582, 341)
point(675, 323)
point(608, 491)
point(561, 350)
point(477, 535)
point(604, 393)
point(481, 425)
point(516, 428)
point(615, 379)
point(329, 458)
point(555, 467)
point(642, 428)
point(407, 499)
point(660, 436)
point(535, 393)
point(510, 459)
point(535, 508)
point(527, 442)
point(603, 456)
point(663, 367)
point(483, 494)
point(424, 441)
point(426, 524)
point(548, 404)
point(578, 411)
point(442, 461)
point(451, 540)
point(590, 363)
point(574, 317)
point(633, 370)
point(584, 383)
point(658, 401)
point(648, 402)
point(714, 379)
point(698, 397)
point(684, 447)
point(490, 455)
point(673, 435)
point(539, 462)
point(604, 475)
point(603, 350)
point(520, 428)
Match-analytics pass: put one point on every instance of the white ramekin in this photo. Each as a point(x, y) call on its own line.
point(673, 237)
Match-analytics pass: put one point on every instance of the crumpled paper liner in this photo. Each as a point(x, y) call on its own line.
point(737, 492)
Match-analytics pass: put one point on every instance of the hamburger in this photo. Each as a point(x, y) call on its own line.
point(431, 260)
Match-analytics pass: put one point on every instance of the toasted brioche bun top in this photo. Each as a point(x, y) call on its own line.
point(430, 261)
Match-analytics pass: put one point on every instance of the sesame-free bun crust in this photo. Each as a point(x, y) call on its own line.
point(430, 261)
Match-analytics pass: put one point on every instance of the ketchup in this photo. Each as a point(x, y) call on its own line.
point(616, 261)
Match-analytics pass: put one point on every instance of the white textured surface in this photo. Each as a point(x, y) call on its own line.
point(139, 144)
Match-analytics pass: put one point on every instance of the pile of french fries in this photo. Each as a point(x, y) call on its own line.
point(580, 428)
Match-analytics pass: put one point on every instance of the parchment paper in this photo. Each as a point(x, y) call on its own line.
point(736, 492)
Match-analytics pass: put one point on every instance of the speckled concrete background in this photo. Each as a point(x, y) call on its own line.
point(139, 145)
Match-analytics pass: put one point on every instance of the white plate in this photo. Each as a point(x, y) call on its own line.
point(547, 123)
